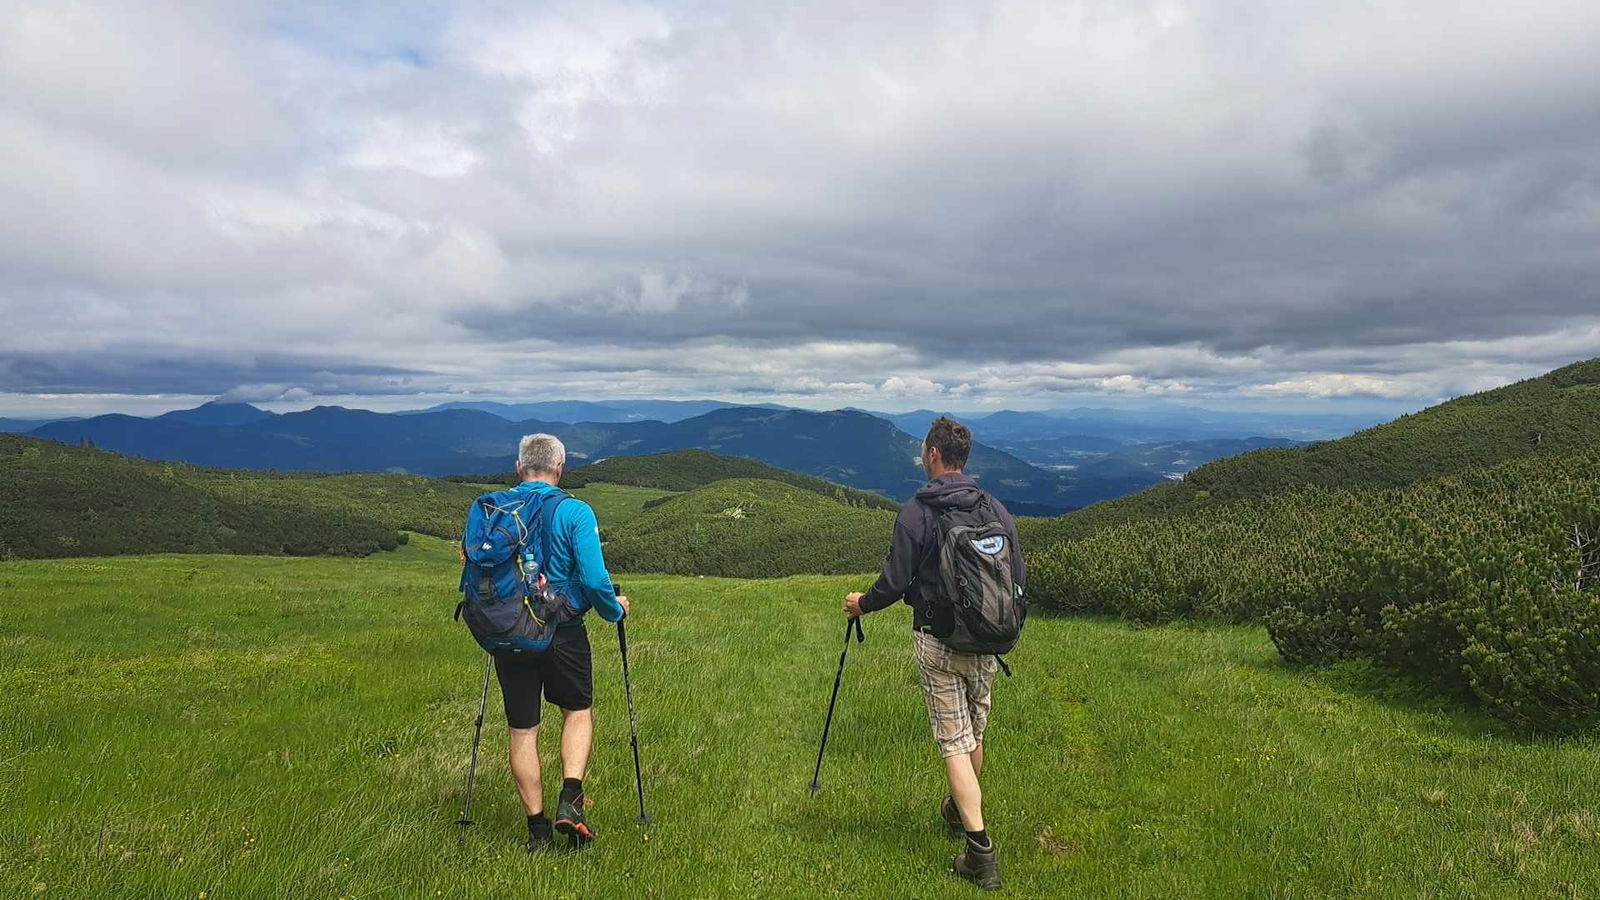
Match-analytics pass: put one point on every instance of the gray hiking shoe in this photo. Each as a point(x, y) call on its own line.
point(952, 817)
point(981, 867)
point(570, 822)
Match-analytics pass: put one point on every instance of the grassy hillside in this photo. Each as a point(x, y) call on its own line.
point(685, 470)
point(1555, 412)
point(616, 505)
point(258, 734)
point(68, 501)
point(749, 528)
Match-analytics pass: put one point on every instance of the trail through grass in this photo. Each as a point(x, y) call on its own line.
point(270, 727)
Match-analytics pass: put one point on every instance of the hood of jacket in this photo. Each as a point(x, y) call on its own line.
point(953, 490)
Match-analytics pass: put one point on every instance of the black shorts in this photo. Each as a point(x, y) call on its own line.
point(563, 674)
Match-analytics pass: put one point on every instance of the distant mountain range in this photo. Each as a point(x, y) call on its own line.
point(1161, 424)
point(23, 426)
point(852, 448)
point(1103, 455)
point(1041, 463)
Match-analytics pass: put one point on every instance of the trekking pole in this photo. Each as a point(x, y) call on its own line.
point(633, 721)
point(477, 736)
point(633, 717)
point(849, 625)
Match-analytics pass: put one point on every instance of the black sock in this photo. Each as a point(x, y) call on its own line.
point(537, 823)
point(571, 789)
point(978, 840)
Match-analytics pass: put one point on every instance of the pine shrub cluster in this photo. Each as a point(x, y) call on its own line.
point(1486, 582)
point(57, 500)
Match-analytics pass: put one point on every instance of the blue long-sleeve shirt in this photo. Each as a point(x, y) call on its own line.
point(576, 566)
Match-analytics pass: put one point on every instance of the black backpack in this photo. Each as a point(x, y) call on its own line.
point(977, 580)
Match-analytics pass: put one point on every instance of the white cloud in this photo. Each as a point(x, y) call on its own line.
point(1337, 385)
point(1133, 384)
point(1002, 203)
point(899, 386)
point(266, 394)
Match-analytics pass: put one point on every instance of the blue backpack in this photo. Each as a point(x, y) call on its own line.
point(506, 599)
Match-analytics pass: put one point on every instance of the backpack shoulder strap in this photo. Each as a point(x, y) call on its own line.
point(938, 541)
point(547, 518)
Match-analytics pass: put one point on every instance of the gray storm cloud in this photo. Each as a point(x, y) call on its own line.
point(895, 201)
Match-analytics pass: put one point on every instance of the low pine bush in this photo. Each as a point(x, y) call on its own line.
point(1485, 583)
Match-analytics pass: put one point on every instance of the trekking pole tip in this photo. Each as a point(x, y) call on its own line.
point(816, 786)
point(644, 820)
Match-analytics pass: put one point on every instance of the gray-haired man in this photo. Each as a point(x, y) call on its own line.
point(563, 674)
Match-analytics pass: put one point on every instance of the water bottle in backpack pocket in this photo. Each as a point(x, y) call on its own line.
point(506, 599)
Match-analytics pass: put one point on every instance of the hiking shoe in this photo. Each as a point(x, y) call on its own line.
point(981, 867)
point(540, 838)
point(570, 822)
point(951, 814)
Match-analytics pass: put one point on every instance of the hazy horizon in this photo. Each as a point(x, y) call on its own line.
point(156, 405)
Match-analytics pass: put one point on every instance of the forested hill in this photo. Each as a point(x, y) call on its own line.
point(1553, 412)
point(57, 500)
point(686, 470)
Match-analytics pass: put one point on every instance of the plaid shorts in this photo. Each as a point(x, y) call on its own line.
point(956, 686)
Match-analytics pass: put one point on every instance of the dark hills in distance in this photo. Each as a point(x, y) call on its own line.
point(850, 448)
point(1040, 463)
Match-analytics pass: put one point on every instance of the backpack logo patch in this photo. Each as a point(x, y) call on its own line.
point(990, 546)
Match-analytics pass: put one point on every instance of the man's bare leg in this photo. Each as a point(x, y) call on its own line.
point(978, 861)
point(525, 768)
point(963, 775)
point(577, 733)
point(977, 760)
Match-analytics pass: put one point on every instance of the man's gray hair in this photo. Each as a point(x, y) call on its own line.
point(541, 453)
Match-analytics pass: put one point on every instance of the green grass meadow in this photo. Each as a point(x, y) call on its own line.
point(616, 505)
point(188, 726)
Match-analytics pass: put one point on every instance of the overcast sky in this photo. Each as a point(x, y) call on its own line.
point(880, 204)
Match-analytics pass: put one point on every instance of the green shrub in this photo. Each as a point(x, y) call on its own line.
point(1485, 583)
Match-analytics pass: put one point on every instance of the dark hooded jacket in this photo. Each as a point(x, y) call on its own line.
point(912, 568)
